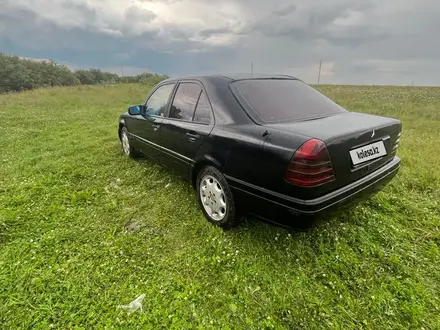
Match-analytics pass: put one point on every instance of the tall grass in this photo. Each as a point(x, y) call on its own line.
point(83, 229)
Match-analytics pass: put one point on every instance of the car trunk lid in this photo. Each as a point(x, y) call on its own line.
point(357, 143)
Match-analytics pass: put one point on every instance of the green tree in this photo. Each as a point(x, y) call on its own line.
point(18, 74)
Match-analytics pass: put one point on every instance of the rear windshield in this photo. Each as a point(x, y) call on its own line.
point(277, 100)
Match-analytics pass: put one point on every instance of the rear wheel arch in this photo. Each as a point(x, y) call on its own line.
point(207, 160)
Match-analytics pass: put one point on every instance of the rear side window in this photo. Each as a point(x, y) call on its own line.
point(203, 110)
point(278, 100)
point(185, 101)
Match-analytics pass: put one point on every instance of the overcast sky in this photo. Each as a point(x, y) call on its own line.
point(359, 42)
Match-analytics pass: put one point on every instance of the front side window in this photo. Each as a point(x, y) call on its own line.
point(185, 101)
point(157, 103)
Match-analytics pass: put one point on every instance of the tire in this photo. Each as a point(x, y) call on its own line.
point(126, 146)
point(215, 198)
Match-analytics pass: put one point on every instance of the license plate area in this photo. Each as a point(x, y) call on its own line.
point(368, 153)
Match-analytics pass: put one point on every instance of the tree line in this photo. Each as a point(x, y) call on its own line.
point(18, 74)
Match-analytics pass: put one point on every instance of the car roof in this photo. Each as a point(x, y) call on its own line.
point(231, 77)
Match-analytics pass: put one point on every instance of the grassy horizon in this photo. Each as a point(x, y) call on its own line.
point(84, 229)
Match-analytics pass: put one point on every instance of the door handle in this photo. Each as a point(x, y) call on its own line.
point(192, 137)
point(156, 127)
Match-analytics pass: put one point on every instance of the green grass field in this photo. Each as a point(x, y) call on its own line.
point(84, 229)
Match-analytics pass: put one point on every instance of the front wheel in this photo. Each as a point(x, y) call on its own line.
point(215, 198)
point(125, 142)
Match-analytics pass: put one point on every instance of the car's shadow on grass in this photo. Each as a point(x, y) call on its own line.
point(298, 226)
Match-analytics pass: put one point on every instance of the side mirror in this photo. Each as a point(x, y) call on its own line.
point(134, 110)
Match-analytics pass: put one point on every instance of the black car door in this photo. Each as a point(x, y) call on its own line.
point(145, 128)
point(187, 124)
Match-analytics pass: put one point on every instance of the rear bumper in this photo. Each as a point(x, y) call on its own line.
point(355, 191)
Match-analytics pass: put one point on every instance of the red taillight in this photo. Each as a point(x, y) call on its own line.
point(310, 165)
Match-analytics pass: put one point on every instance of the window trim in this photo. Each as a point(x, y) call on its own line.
point(195, 109)
point(203, 89)
point(169, 98)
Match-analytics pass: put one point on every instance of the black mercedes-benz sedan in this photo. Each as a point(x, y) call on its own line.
point(267, 145)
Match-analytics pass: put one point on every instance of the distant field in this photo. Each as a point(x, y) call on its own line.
point(83, 229)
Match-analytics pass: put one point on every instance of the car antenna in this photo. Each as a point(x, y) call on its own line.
point(266, 133)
